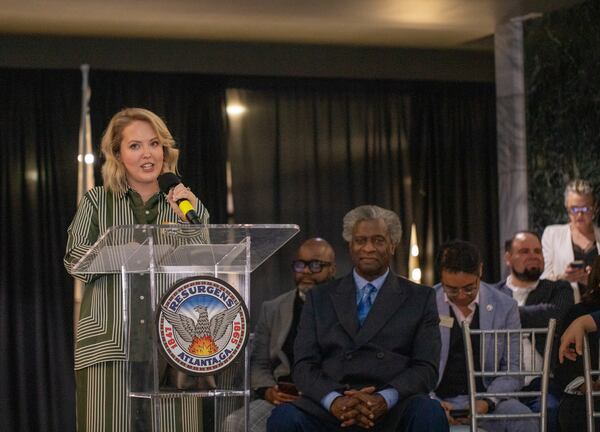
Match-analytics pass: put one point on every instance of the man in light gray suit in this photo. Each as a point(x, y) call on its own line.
point(272, 351)
point(368, 344)
point(462, 297)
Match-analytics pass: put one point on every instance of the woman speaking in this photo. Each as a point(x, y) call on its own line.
point(137, 147)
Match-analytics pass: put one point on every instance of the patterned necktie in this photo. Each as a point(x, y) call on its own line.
point(365, 303)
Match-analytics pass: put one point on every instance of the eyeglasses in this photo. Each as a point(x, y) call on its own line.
point(315, 266)
point(468, 290)
point(583, 210)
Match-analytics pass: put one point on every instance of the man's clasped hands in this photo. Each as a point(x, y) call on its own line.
point(359, 407)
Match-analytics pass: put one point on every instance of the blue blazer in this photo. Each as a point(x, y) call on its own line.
point(496, 311)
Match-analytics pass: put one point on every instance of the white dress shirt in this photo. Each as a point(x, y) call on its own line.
point(535, 361)
point(458, 313)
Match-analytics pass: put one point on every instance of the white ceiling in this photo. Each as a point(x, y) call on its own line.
point(401, 23)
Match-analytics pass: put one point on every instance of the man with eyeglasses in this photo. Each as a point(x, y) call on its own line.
point(539, 301)
point(368, 344)
point(463, 297)
point(272, 352)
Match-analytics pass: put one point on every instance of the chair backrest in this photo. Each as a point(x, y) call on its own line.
point(589, 372)
point(508, 361)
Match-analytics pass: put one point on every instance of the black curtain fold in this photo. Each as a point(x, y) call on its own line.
point(39, 125)
point(454, 160)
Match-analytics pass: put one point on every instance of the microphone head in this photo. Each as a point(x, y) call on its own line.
point(167, 180)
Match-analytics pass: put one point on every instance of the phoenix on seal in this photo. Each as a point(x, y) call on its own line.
point(202, 333)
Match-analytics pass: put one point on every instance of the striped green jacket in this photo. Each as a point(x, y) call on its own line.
point(100, 334)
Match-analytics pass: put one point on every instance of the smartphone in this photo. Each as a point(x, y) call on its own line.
point(460, 413)
point(288, 387)
point(578, 264)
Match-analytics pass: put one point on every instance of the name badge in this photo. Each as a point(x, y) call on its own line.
point(446, 321)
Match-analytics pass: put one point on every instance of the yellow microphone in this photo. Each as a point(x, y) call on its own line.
point(167, 181)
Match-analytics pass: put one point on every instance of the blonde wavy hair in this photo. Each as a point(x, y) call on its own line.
point(113, 171)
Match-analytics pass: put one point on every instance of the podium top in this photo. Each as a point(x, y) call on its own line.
point(184, 248)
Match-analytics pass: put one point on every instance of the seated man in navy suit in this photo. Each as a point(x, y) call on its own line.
point(368, 344)
point(539, 300)
point(462, 297)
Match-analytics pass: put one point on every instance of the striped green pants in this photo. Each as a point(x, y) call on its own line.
point(103, 404)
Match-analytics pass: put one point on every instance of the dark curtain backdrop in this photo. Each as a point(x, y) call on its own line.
point(193, 107)
point(39, 126)
point(307, 151)
point(454, 170)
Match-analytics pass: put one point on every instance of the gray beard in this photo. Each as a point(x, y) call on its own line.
point(528, 275)
point(303, 289)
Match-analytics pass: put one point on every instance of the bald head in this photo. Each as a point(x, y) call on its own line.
point(317, 247)
point(524, 256)
point(320, 252)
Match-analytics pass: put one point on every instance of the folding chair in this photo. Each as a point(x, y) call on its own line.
point(588, 373)
point(515, 366)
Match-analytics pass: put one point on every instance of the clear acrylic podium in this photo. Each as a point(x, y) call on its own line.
point(150, 259)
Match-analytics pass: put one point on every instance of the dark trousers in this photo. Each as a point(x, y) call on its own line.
point(552, 402)
point(420, 414)
point(572, 414)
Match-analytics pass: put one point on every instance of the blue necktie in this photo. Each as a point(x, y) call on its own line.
point(365, 303)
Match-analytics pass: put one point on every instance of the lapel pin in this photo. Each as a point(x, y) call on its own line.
point(490, 307)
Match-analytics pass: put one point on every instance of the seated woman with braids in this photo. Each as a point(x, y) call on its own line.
point(569, 374)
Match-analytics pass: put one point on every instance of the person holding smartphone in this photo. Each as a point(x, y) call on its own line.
point(272, 352)
point(463, 297)
point(569, 249)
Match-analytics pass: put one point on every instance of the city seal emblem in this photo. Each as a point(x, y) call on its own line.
point(202, 325)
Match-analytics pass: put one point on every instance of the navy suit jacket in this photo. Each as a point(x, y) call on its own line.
point(398, 344)
point(550, 299)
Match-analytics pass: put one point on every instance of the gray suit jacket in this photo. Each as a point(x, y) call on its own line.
point(268, 362)
point(496, 311)
point(398, 344)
